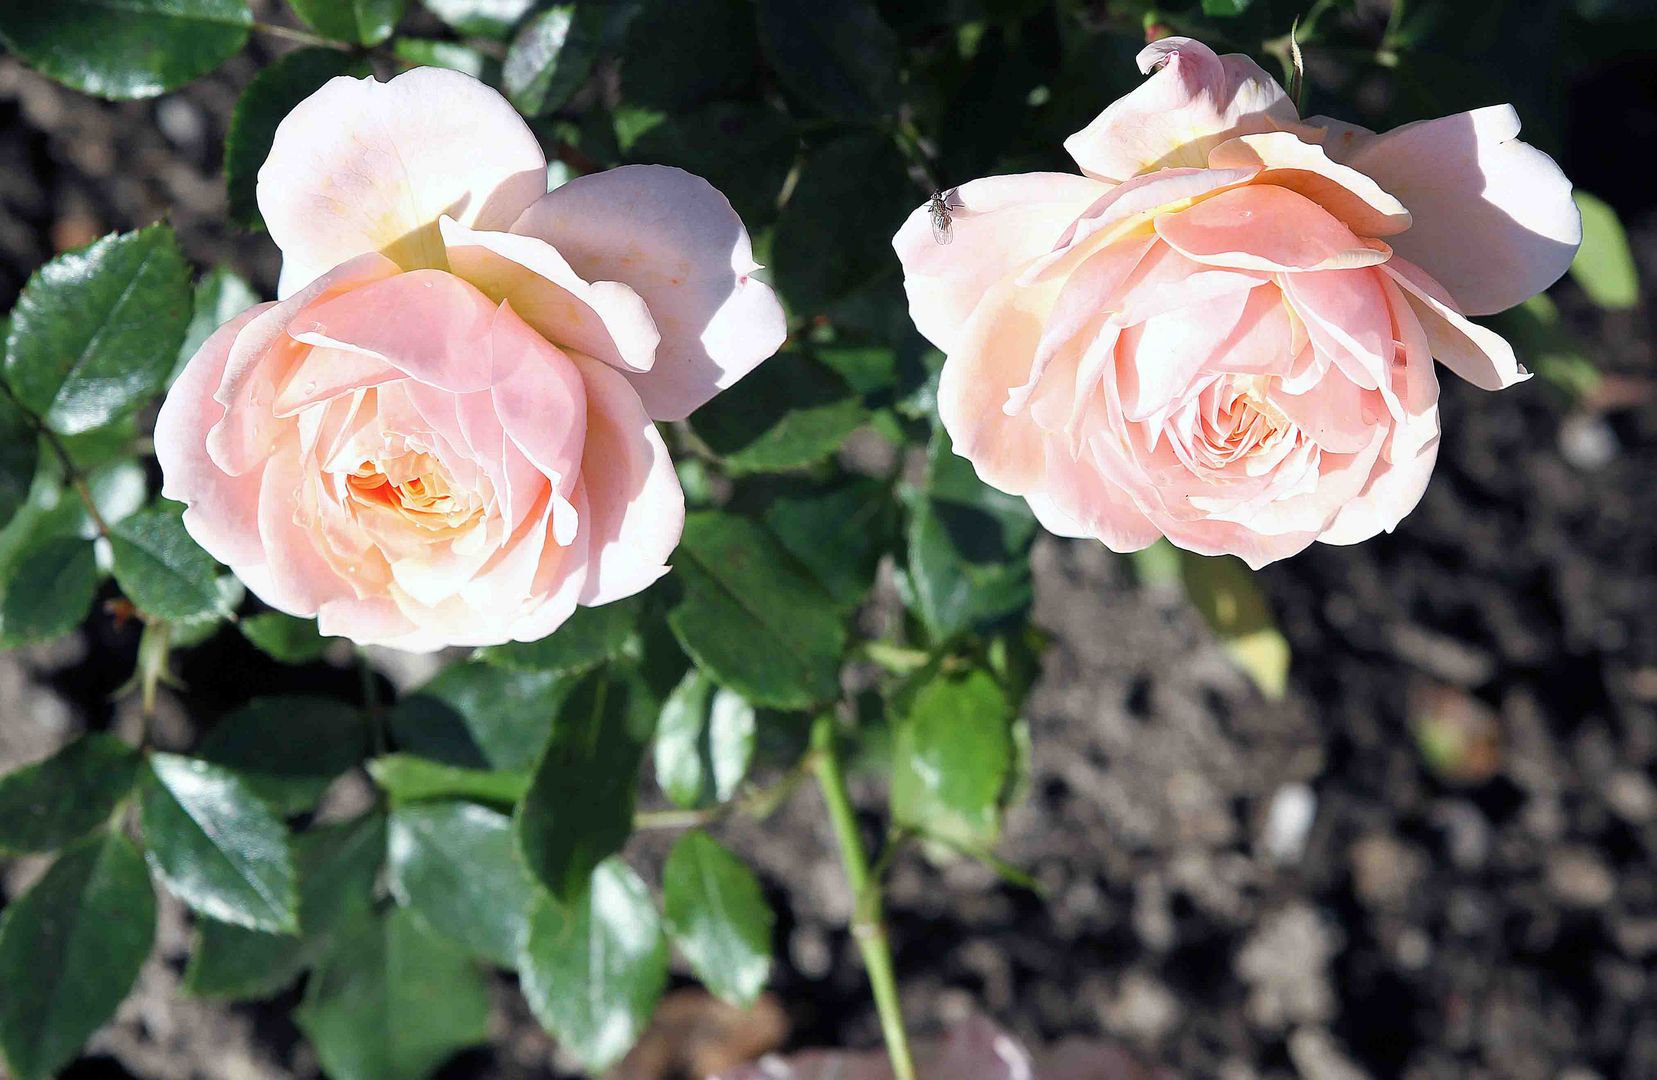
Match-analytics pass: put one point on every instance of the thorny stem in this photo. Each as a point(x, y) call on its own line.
point(868, 925)
point(757, 803)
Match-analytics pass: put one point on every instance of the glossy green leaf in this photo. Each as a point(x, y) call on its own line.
point(121, 49)
point(337, 866)
point(420, 52)
point(1604, 265)
point(49, 592)
point(718, 917)
point(554, 52)
point(704, 741)
point(592, 971)
point(851, 196)
point(221, 294)
point(270, 96)
point(752, 617)
point(70, 949)
point(391, 1002)
point(161, 569)
point(1223, 589)
point(480, 18)
point(838, 533)
point(217, 846)
point(698, 142)
point(288, 749)
point(788, 413)
point(97, 330)
point(453, 865)
point(480, 717)
point(46, 805)
point(579, 807)
point(356, 22)
point(19, 455)
point(952, 754)
point(285, 638)
point(588, 638)
point(836, 56)
point(408, 779)
point(680, 54)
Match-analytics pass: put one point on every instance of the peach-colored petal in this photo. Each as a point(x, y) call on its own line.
point(1196, 101)
point(1077, 501)
point(365, 166)
point(300, 579)
point(997, 224)
point(1288, 162)
point(426, 323)
point(636, 507)
point(1267, 228)
point(676, 241)
point(1479, 355)
point(1392, 492)
point(1347, 320)
point(1494, 220)
point(605, 319)
point(994, 355)
point(540, 396)
point(1165, 353)
point(1337, 414)
point(221, 511)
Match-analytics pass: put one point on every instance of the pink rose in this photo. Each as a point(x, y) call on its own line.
point(443, 433)
point(1223, 331)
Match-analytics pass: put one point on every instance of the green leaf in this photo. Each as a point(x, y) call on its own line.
point(70, 949)
point(97, 330)
point(588, 638)
point(283, 637)
point(697, 142)
point(1223, 589)
point(270, 96)
point(217, 846)
point(356, 22)
point(454, 867)
point(592, 971)
point(408, 779)
point(681, 54)
point(968, 544)
point(1223, 8)
point(49, 592)
point(717, 915)
point(337, 866)
point(579, 807)
point(161, 569)
point(480, 18)
point(19, 456)
point(1604, 265)
point(851, 196)
point(419, 52)
point(391, 1002)
point(752, 618)
point(789, 413)
point(835, 56)
point(951, 757)
point(554, 52)
point(46, 805)
point(288, 749)
point(122, 49)
point(704, 741)
point(480, 717)
point(838, 533)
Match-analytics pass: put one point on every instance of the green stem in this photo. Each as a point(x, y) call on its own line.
point(868, 921)
point(290, 34)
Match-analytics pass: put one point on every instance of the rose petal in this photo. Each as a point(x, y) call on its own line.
point(676, 241)
point(1196, 101)
point(1479, 355)
point(1494, 220)
point(366, 166)
point(1288, 162)
point(1267, 228)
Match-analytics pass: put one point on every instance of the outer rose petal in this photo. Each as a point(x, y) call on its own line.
point(636, 509)
point(1197, 101)
point(1494, 220)
point(1266, 228)
point(998, 224)
point(365, 166)
point(675, 239)
point(228, 528)
point(1476, 353)
point(1078, 498)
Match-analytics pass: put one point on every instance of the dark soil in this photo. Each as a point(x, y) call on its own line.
point(1486, 912)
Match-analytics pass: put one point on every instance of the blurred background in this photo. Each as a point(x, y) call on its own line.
point(1430, 856)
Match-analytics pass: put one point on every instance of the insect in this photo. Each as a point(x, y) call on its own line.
point(941, 206)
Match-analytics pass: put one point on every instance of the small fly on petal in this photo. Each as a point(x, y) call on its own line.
point(941, 206)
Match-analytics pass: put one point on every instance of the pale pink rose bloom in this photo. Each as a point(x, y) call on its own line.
point(444, 433)
point(1223, 331)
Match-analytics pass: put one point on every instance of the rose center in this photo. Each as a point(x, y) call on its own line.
point(417, 487)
